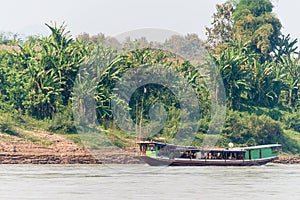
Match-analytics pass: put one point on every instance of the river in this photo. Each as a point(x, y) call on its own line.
point(71, 182)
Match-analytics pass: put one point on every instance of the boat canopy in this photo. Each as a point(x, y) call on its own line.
point(262, 146)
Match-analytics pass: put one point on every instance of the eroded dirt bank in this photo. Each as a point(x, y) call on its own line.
point(55, 149)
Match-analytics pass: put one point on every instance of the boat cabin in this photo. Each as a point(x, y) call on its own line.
point(262, 151)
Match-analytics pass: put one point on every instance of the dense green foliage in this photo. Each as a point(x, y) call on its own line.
point(38, 77)
point(255, 22)
point(259, 67)
point(258, 64)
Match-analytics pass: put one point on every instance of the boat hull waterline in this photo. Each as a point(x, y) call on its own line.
point(203, 162)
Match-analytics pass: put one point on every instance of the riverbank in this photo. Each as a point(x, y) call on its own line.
point(57, 149)
point(49, 148)
point(287, 160)
point(114, 158)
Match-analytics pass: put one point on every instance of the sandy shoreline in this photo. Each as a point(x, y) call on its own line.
point(15, 150)
point(69, 159)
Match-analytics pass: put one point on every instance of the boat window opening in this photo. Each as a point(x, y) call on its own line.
point(151, 147)
point(203, 155)
point(162, 152)
point(230, 156)
point(233, 155)
point(143, 149)
point(241, 156)
point(225, 155)
point(275, 150)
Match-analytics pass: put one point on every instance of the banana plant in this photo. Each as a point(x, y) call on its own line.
point(266, 84)
point(234, 66)
point(292, 69)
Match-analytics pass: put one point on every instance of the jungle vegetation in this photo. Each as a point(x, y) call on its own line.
point(259, 66)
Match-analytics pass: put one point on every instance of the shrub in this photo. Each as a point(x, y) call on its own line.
point(62, 122)
point(291, 121)
point(249, 129)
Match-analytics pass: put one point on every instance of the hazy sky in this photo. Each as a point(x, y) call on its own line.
point(113, 17)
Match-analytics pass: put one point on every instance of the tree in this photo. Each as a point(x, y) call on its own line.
point(189, 47)
point(245, 39)
point(222, 30)
point(99, 39)
point(10, 39)
point(255, 22)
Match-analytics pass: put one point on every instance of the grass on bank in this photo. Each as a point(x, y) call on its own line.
point(262, 126)
point(13, 125)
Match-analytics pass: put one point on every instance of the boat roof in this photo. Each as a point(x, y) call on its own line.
point(149, 142)
point(222, 150)
point(230, 149)
point(262, 146)
point(165, 144)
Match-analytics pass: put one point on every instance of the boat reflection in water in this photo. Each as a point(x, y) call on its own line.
point(158, 154)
